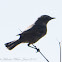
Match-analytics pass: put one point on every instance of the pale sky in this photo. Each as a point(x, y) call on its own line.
point(16, 15)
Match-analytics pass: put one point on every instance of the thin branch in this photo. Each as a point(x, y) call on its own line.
point(38, 50)
point(44, 56)
point(60, 50)
point(19, 29)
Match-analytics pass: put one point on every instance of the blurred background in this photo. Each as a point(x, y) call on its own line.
point(16, 15)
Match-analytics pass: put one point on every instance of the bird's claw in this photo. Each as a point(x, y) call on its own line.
point(37, 50)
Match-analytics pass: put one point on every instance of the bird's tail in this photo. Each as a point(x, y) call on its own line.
point(11, 45)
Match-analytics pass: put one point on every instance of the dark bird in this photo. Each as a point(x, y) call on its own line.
point(33, 34)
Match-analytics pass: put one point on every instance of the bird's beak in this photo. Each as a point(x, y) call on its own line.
point(53, 18)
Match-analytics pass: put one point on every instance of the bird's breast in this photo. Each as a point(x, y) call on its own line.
point(42, 31)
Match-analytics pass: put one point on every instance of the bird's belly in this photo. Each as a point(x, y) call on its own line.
point(35, 38)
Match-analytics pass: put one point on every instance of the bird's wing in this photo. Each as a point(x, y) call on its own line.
point(29, 27)
point(26, 29)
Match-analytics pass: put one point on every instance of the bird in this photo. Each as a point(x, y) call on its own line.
point(33, 34)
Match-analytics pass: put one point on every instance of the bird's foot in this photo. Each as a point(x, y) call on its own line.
point(38, 50)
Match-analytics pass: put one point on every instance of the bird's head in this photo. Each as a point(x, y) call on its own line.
point(46, 18)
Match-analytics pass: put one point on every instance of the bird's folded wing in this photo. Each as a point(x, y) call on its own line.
point(29, 27)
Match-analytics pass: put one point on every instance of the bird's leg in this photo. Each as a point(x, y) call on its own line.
point(38, 50)
point(31, 46)
point(34, 47)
